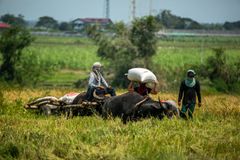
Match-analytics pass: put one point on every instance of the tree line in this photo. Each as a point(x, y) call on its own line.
point(165, 18)
point(45, 22)
point(129, 46)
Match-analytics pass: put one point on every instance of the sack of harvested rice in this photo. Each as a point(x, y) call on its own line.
point(142, 75)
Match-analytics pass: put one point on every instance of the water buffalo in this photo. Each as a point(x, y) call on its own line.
point(132, 106)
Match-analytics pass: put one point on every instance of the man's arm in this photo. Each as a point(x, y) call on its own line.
point(130, 87)
point(198, 91)
point(104, 82)
point(154, 90)
point(180, 95)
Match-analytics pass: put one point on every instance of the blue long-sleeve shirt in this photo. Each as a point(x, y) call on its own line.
point(96, 80)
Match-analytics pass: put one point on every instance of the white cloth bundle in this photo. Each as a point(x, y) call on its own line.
point(68, 98)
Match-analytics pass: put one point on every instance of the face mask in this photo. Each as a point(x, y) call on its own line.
point(98, 69)
point(190, 79)
point(190, 82)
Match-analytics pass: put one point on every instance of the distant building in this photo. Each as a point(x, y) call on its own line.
point(80, 23)
point(4, 26)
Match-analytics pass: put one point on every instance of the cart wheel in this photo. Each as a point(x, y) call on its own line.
point(46, 110)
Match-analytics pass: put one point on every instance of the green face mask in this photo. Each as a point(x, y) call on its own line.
point(190, 82)
point(190, 79)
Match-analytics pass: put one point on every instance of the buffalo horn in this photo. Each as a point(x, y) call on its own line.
point(96, 96)
point(141, 102)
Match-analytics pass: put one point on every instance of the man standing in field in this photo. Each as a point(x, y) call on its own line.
point(189, 88)
point(98, 83)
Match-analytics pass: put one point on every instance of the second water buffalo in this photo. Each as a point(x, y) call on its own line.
point(133, 106)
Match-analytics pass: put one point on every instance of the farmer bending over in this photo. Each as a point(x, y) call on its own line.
point(96, 81)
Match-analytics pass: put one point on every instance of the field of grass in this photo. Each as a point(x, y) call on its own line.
point(69, 56)
point(198, 42)
point(213, 134)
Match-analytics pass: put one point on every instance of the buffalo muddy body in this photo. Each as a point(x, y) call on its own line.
point(132, 106)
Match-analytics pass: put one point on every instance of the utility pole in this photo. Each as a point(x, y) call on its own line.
point(133, 9)
point(150, 7)
point(107, 9)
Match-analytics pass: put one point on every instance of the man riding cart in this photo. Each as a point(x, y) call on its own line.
point(98, 83)
point(84, 103)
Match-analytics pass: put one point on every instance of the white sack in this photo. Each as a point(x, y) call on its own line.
point(141, 75)
point(68, 98)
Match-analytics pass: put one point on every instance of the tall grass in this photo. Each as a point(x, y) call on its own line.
point(213, 134)
point(174, 56)
point(65, 53)
point(65, 56)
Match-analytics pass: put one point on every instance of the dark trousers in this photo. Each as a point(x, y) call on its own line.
point(89, 94)
point(187, 108)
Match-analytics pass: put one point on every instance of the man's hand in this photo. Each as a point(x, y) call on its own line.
point(199, 104)
point(101, 87)
point(179, 103)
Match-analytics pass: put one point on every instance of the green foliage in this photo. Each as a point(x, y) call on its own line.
point(9, 151)
point(232, 25)
point(224, 75)
point(127, 47)
point(142, 35)
point(24, 135)
point(65, 26)
point(30, 69)
point(121, 29)
point(71, 58)
point(47, 22)
point(168, 20)
point(60, 56)
point(12, 42)
point(123, 54)
point(118, 50)
point(13, 20)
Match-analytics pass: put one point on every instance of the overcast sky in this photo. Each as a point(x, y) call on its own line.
point(210, 11)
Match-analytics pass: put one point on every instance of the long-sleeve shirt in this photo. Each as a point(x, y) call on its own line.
point(189, 93)
point(96, 80)
point(142, 90)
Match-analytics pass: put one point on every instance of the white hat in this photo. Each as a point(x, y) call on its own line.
point(191, 71)
point(97, 64)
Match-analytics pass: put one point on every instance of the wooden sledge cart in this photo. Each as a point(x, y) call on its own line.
point(71, 104)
